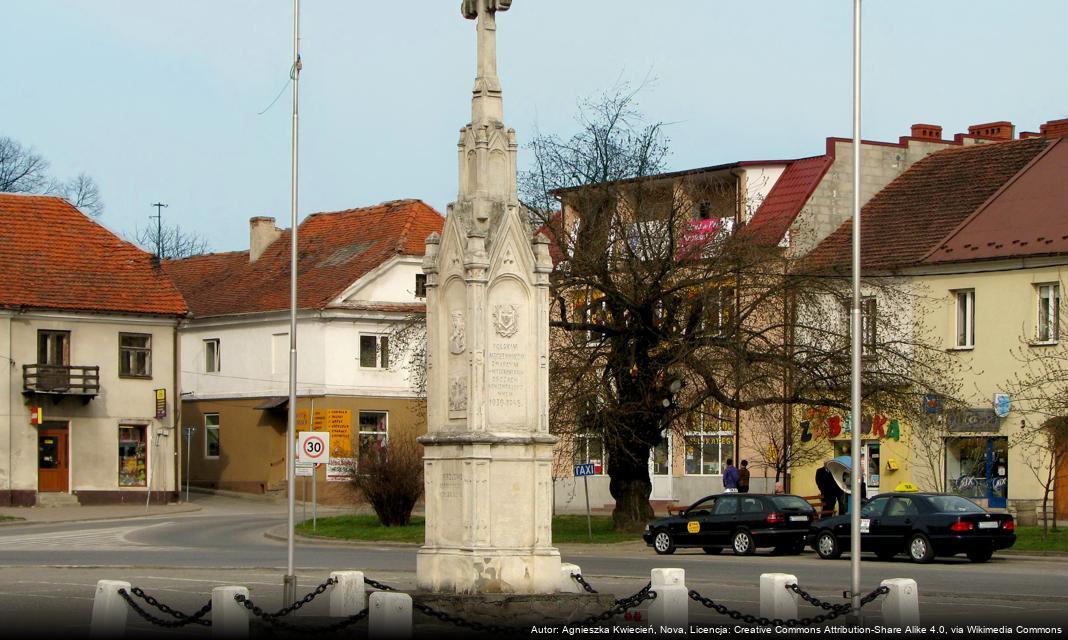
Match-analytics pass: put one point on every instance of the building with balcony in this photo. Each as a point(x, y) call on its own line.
point(87, 325)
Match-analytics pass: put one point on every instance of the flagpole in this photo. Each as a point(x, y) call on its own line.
point(857, 329)
point(290, 581)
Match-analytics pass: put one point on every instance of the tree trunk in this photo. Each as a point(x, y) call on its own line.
point(629, 484)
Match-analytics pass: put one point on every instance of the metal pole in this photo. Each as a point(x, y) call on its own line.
point(188, 446)
point(857, 325)
point(589, 520)
point(315, 498)
point(289, 588)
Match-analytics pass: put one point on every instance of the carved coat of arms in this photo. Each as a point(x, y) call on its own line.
point(506, 319)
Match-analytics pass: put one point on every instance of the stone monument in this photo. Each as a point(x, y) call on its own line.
point(488, 451)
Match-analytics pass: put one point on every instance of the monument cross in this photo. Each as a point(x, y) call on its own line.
point(486, 102)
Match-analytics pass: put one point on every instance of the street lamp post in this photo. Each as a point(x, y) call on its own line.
point(857, 323)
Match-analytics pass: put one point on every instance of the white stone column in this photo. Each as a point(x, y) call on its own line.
point(348, 595)
point(901, 607)
point(567, 583)
point(109, 610)
point(775, 600)
point(390, 615)
point(229, 618)
point(671, 607)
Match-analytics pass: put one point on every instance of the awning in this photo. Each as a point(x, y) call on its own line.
point(272, 403)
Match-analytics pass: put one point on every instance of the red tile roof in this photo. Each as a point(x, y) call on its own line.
point(335, 250)
point(914, 213)
point(786, 199)
point(1028, 216)
point(53, 256)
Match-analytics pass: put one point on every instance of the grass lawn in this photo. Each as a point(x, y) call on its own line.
point(7, 518)
point(565, 529)
point(1030, 539)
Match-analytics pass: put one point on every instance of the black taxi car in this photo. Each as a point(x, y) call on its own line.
point(920, 525)
point(741, 521)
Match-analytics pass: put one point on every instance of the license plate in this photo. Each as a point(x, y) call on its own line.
point(798, 518)
point(988, 525)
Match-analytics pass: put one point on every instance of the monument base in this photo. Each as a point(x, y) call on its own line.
point(488, 571)
point(519, 609)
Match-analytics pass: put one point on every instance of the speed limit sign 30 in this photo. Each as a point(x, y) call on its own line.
point(313, 446)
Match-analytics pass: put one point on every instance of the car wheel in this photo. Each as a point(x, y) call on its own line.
point(885, 554)
point(663, 543)
point(827, 546)
point(743, 544)
point(980, 555)
point(920, 549)
point(712, 551)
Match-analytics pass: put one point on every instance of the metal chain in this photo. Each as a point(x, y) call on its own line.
point(160, 622)
point(377, 585)
point(577, 577)
point(203, 611)
point(273, 619)
point(312, 595)
point(878, 591)
point(834, 611)
point(623, 605)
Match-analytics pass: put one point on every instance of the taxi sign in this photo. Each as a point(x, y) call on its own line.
point(693, 526)
point(587, 469)
point(313, 446)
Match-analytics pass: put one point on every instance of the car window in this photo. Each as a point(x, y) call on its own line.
point(875, 507)
point(954, 504)
point(902, 507)
point(726, 505)
point(791, 503)
point(752, 505)
point(703, 505)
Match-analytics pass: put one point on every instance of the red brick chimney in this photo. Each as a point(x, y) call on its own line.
point(1055, 128)
point(927, 131)
point(1002, 130)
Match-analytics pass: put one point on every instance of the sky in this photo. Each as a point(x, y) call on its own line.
point(163, 101)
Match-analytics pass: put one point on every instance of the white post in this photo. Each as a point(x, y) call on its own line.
point(775, 600)
point(567, 583)
point(109, 610)
point(671, 608)
point(348, 596)
point(229, 618)
point(390, 615)
point(902, 605)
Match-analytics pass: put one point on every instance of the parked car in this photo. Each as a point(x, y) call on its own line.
point(922, 525)
point(742, 521)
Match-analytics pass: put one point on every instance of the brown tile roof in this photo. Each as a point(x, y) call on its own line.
point(54, 257)
point(335, 250)
point(786, 199)
point(1028, 216)
point(914, 213)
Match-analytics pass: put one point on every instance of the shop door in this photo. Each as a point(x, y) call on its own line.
point(52, 459)
point(660, 469)
point(997, 479)
point(1060, 484)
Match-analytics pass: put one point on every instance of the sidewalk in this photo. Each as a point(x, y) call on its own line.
point(78, 513)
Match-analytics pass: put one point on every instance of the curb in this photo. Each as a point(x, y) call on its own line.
point(189, 508)
point(278, 533)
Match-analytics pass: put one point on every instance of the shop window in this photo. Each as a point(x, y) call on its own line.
point(965, 301)
point(135, 355)
point(374, 352)
point(709, 442)
point(1049, 304)
point(212, 441)
point(589, 448)
point(661, 456)
point(978, 467)
point(212, 356)
point(870, 462)
point(133, 456)
point(373, 432)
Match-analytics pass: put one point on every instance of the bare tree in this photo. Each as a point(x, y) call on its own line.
point(170, 242)
point(82, 192)
point(22, 170)
point(662, 303)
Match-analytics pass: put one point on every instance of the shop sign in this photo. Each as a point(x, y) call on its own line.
point(161, 403)
point(1002, 404)
point(973, 420)
point(337, 422)
point(932, 403)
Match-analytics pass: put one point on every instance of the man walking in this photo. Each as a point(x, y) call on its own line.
point(743, 477)
point(730, 477)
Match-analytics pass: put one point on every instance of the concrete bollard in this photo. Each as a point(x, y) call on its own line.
point(775, 600)
point(567, 583)
point(390, 615)
point(901, 607)
point(109, 610)
point(229, 618)
point(671, 608)
point(348, 596)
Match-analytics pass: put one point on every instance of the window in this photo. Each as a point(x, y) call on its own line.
point(53, 347)
point(589, 448)
point(133, 456)
point(965, 318)
point(902, 507)
point(875, 508)
point(420, 285)
point(1049, 307)
point(211, 435)
point(709, 443)
point(978, 467)
point(374, 352)
point(725, 505)
point(212, 357)
point(590, 308)
point(135, 355)
point(752, 505)
point(868, 323)
point(719, 307)
point(374, 431)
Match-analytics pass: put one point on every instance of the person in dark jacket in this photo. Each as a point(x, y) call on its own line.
point(830, 492)
point(730, 477)
point(743, 477)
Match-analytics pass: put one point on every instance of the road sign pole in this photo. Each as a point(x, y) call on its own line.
point(315, 499)
point(589, 520)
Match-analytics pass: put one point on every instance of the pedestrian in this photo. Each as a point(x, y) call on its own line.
point(830, 492)
point(730, 477)
point(743, 477)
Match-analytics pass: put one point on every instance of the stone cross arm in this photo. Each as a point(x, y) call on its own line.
point(471, 8)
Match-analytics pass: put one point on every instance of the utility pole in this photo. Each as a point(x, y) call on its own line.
point(159, 228)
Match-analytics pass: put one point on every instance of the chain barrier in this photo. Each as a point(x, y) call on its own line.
point(180, 619)
point(275, 621)
point(623, 604)
point(833, 610)
point(312, 595)
point(577, 577)
point(374, 584)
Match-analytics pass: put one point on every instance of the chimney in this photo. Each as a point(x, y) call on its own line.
point(262, 233)
point(997, 130)
point(1055, 128)
point(927, 131)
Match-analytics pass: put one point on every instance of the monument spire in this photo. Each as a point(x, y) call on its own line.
point(487, 103)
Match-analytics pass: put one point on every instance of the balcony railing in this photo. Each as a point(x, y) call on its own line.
point(59, 379)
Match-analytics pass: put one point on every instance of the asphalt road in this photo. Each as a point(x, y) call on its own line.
point(49, 570)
